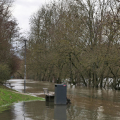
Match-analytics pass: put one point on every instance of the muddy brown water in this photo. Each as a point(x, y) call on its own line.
point(87, 104)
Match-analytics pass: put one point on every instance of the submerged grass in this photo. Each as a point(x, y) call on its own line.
point(7, 97)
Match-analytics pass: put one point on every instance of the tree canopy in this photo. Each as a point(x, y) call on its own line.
point(9, 30)
point(77, 40)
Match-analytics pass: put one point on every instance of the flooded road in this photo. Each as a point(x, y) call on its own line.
point(87, 104)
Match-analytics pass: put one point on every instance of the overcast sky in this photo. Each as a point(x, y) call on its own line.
point(23, 9)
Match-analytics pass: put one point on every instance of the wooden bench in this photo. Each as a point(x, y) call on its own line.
point(46, 92)
point(48, 96)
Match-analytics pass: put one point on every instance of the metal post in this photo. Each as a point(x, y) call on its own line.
point(25, 68)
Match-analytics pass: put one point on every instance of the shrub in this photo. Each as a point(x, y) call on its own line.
point(4, 72)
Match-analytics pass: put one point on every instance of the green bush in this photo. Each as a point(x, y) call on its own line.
point(4, 72)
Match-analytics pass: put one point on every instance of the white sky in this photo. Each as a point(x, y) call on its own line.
point(23, 9)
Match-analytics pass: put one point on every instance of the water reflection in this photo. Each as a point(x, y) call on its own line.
point(38, 110)
point(19, 112)
point(50, 105)
point(100, 113)
point(87, 104)
point(60, 112)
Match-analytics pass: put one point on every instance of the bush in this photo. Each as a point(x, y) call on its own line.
point(4, 72)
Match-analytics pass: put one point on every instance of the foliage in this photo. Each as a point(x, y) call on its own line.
point(8, 33)
point(78, 40)
point(4, 72)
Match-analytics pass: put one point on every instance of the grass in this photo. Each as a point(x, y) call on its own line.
point(8, 96)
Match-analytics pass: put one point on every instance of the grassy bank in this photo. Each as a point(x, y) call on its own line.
point(7, 97)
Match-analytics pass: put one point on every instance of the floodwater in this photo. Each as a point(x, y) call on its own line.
point(87, 104)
